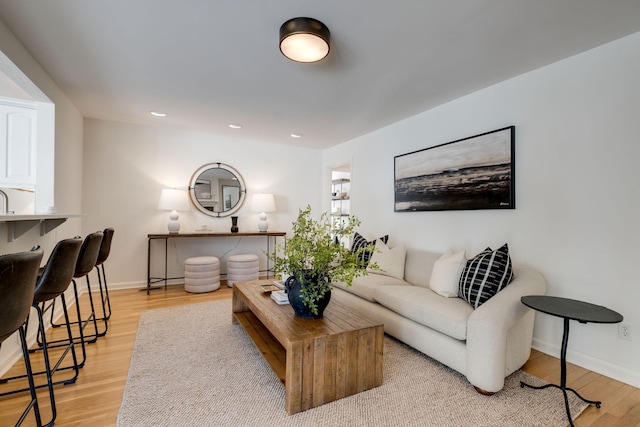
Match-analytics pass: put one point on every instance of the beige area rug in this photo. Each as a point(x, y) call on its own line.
point(192, 367)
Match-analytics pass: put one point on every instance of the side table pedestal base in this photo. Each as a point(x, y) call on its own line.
point(566, 397)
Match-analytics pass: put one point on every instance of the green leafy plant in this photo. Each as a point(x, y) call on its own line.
point(314, 251)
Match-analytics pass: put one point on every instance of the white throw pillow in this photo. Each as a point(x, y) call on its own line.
point(390, 260)
point(445, 276)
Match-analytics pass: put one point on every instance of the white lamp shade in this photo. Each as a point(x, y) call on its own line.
point(263, 203)
point(173, 200)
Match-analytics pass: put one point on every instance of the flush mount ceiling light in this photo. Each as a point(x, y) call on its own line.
point(304, 40)
point(158, 114)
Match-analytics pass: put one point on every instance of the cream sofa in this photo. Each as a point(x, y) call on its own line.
point(486, 344)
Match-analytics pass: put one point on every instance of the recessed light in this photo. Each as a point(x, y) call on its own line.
point(235, 126)
point(296, 135)
point(158, 114)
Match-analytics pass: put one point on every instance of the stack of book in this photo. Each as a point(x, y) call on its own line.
point(280, 297)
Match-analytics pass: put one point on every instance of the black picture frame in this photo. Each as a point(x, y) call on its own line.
point(473, 173)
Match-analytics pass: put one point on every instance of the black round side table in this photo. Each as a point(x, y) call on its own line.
point(569, 309)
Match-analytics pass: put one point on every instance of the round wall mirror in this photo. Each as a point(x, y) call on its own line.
point(217, 190)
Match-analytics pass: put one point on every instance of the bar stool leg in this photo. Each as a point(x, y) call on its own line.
point(34, 397)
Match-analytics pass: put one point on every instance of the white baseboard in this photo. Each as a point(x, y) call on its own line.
point(607, 369)
point(142, 285)
point(127, 285)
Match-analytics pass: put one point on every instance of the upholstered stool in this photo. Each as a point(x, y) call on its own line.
point(201, 274)
point(242, 267)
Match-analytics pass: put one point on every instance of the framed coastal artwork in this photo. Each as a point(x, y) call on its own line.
point(471, 173)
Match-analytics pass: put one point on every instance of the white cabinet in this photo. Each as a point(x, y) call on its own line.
point(17, 144)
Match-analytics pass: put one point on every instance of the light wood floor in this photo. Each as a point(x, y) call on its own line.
point(94, 400)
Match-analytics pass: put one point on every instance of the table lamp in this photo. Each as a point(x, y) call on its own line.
point(263, 203)
point(173, 200)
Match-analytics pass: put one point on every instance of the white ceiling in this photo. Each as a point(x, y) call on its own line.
point(209, 63)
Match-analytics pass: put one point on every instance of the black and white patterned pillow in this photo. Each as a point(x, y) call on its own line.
point(485, 275)
point(360, 242)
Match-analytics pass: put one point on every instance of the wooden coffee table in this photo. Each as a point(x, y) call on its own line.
point(317, 360)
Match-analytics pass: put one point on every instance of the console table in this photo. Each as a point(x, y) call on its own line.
point(269, 236)
point(569, 309)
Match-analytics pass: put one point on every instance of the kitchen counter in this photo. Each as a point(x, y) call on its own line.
point(20, 224)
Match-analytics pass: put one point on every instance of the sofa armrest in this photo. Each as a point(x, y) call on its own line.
point(489, 325)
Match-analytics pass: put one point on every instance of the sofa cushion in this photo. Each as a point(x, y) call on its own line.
point(418, 266)
point(485, 275)
point(390, 261)
point(445, 276)
point(365, 286)
point(446, 315)
point(360, 242)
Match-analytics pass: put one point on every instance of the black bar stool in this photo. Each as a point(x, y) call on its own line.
point(105, 250)
point(53, 281)
point(18, 274)
point(86, 261)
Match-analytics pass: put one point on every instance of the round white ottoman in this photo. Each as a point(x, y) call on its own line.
point(201, 274)
point(242, 267)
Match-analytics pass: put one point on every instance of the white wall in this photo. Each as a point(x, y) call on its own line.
point(126, 167)
point(577, 193)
